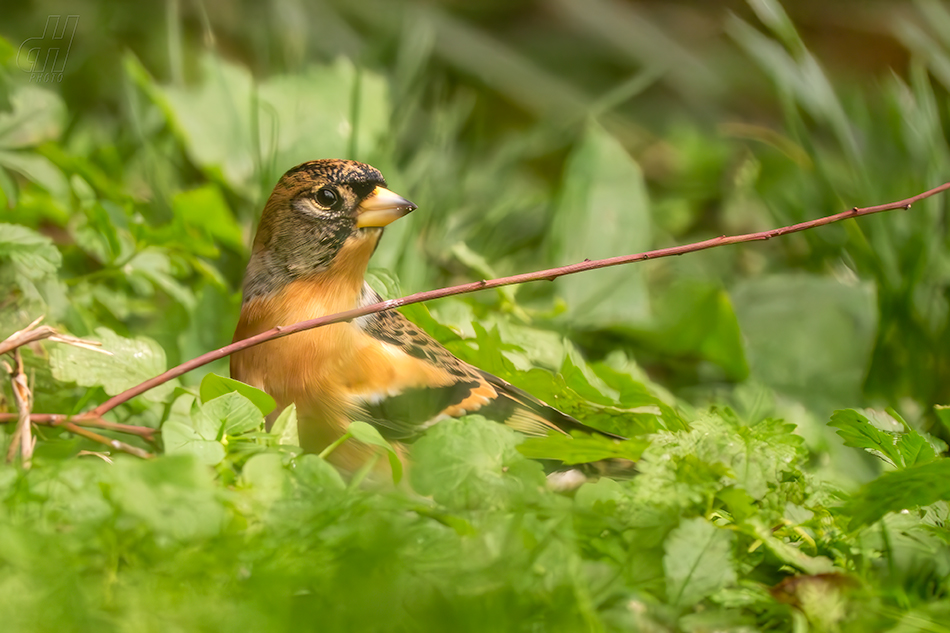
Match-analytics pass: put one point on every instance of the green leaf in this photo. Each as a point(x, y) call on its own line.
point(674, 328)
point(472, 462)
point(266, 476)
point(180, 438)
point(603, 212)
point(915, 449)
point(792, 555)
point(285, 427)
point(313, 472)
point(917, 485)
point(229, 118)
point(582, 449)
point(367, 434)
point(130, 361)
point(943, 414)
point(37, 115)
point(213, 385)
point(39, 169)
point(32, 256)
point(807, 336)
point(697, 561)
point(206, 209)
point(190, 431)
point(174, 496)
point(235, 412)
point(152, 267)
point(855, 429)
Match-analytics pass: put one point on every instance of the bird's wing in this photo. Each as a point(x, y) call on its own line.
point(453, 389)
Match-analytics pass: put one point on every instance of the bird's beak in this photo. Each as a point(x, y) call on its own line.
point(381, 207)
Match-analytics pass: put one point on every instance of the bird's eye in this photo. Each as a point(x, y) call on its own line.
point(327, 197)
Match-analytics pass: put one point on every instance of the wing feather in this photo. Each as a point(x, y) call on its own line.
point(463, 389)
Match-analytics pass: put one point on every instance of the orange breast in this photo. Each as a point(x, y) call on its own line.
point(325, 371)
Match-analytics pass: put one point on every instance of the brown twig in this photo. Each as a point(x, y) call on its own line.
point(33, 333)
point(108, 441)
point(59, 419)
point(550, 275)
point(22, 441)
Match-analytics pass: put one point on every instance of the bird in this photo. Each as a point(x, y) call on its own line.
point(317, 232)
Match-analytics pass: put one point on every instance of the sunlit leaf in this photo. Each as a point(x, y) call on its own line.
point(603, 212)
point(697, 561)
point(856, 431)
point(130, 361)
point(917, 485)
point(285, 427)
point(37, 115)
point(807, 336)
point(213, 385)
point(206, 209)
point(367, 434)
point(235, 412)
point(472, 463)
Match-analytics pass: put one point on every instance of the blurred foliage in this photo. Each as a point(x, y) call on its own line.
point(530, 134)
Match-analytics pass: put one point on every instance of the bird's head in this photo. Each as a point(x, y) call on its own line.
point(319, 211)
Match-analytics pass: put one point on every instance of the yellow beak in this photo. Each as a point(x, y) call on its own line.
point(382, 207)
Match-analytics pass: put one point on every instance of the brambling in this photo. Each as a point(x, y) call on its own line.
point(317, 233)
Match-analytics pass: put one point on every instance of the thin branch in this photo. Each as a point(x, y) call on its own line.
point(549, 275)
point(108, 441)
point(59, 419)
point(147, 433)
point(32, 333)
point(22, 441)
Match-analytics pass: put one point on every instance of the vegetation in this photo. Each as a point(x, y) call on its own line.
point(783, 400)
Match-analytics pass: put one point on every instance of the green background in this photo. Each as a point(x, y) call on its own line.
point(530, 134)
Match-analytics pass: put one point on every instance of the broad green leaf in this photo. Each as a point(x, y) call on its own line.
point(856, 431)
point(37, 115)
point(807, 336)
point(31, 255)
point(697, 561)
point(130, 361)
point(175, 497)
point(232, 125)
point(39, 169)
point(213, 385)
point(481, 267)
point(915, 449)
point(367, 434)
point(917, 485)
point(236, 413)
point(693, 318)
point(206, 209)
point(385, 283)
point(152, 268)
point(285, 427)
point(180, 438)
point(189, 430)
point(266, 476)
point(761, 454)
point(603, 212)
point(472, 462)
point(313, 472)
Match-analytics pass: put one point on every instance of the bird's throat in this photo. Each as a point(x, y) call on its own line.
point(336, 288)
